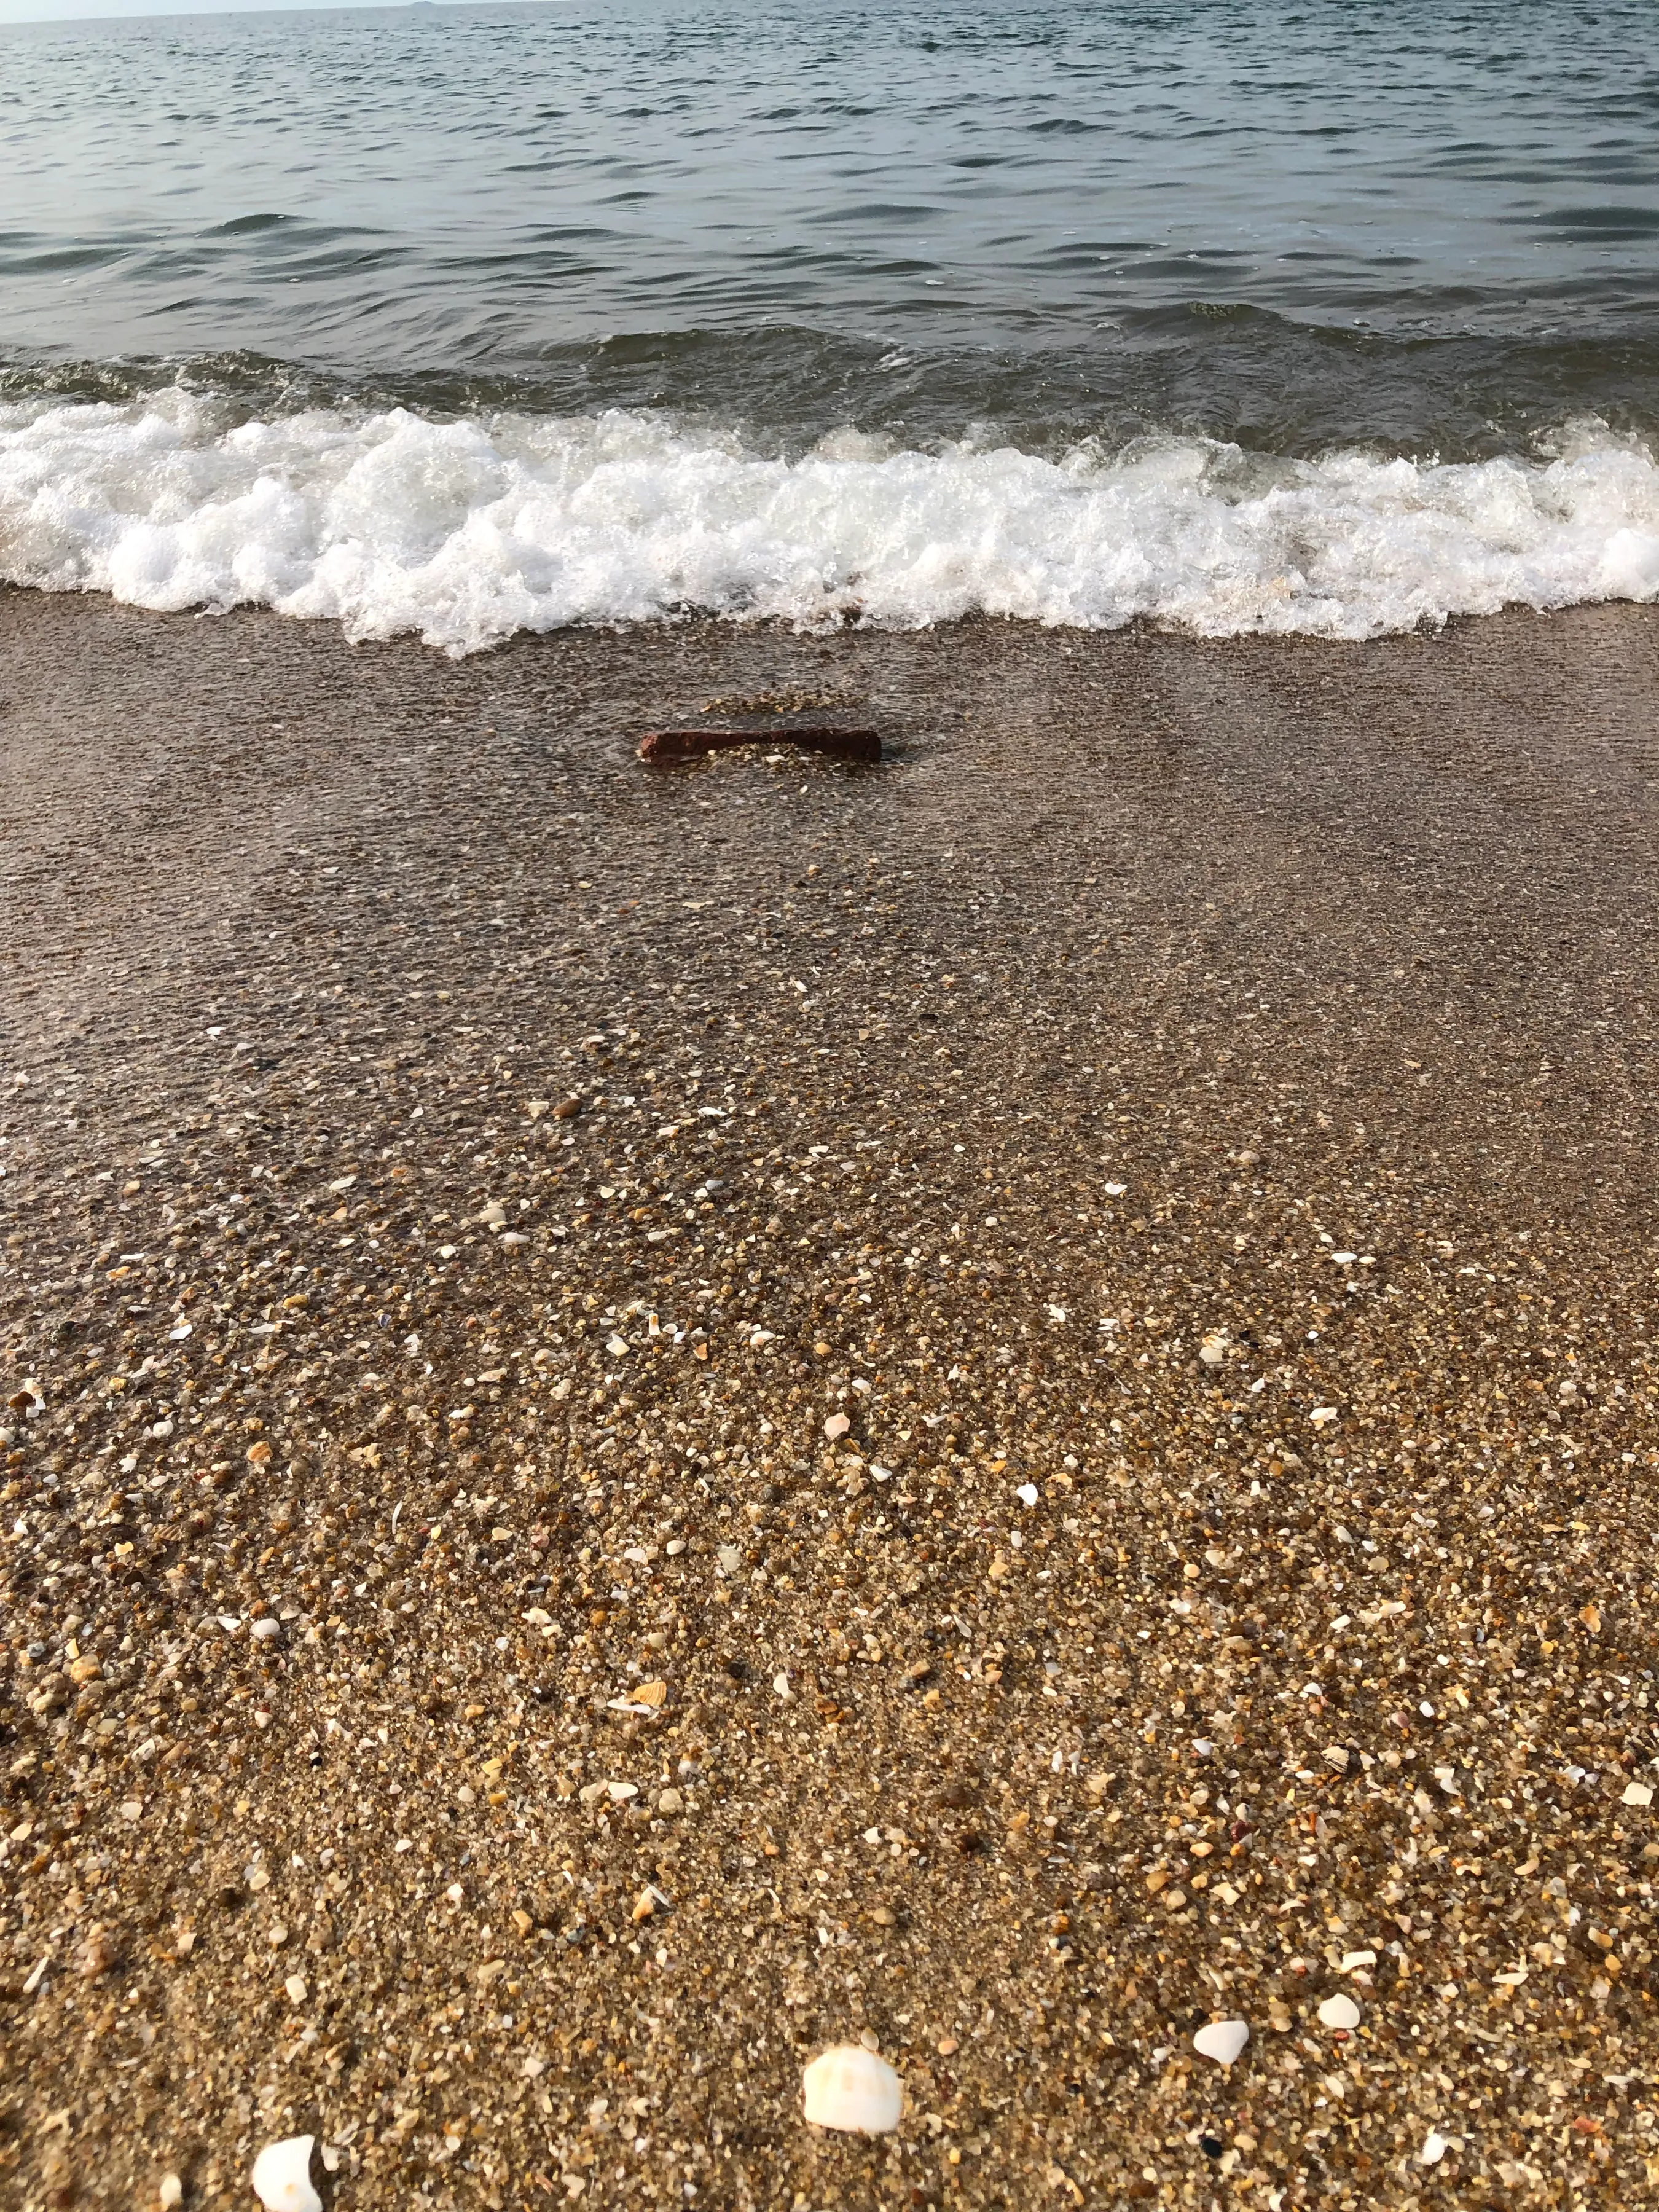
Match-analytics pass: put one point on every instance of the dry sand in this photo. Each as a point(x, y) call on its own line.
point(452, 1174)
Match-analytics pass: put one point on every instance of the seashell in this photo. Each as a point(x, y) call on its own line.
point(1222, 2040)
point(854, 2090)
point(282, 2175)
point(1435, 2147)
point(1339, 2012)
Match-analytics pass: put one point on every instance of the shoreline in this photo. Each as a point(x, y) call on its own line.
point(800, 1093)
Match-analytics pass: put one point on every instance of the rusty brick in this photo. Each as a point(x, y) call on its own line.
point(663, 747)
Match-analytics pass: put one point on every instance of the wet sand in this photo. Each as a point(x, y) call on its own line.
point(453, 1174)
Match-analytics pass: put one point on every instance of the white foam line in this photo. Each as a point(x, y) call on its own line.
point(466, 531)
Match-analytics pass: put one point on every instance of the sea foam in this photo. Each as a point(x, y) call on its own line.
point(464, 532)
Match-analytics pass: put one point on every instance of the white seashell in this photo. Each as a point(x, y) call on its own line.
point(1435, 2147)
point(282, 2175)
point(1222, 2040)
point(1339, 2012)
point(854, 2090)
point(171, 2192)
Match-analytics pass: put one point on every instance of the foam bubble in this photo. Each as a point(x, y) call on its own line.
point(465, 532)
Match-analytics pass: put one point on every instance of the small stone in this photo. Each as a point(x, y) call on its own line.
point(295, 1986)
point(282, 2175)
point(98, 1953)
point(670, 1800)
point(1637, 1792)
point(170, 2193)
point(836, 1426)
point(1435, 2147)
point(1222, 2040)
point(1339, 2012)
point(853, 2090)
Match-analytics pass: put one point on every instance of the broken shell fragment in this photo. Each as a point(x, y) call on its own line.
point(1222, 2040)
point(1339, 2012)
point(282, 2175)
point(854, 2090)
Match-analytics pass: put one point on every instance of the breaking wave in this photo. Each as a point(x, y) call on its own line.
point(467, 531)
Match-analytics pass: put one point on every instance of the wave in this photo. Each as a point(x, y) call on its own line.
point(465, 532)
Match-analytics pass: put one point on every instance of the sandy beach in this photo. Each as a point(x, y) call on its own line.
point(654, 1419)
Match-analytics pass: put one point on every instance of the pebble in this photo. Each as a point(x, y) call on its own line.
point(1339, 2012)
point(170, 2193)
point(1222, 2040)
point(1435, 2147)
point(853, 2090)
point(282, 2175)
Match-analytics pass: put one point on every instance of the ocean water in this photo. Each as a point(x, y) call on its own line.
point(1330, 316)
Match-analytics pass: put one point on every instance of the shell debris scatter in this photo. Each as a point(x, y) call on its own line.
point(853, 2091)
point(1079, 1690)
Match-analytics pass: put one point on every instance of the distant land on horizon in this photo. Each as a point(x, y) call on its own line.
point(27, 14)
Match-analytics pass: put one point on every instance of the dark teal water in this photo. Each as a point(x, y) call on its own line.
point(1435, 228)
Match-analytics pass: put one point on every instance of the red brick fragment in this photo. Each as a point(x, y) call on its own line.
point(668, 746)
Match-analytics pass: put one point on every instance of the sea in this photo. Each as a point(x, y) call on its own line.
point(1329, 317)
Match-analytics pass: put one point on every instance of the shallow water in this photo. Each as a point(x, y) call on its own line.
point(1234, 235)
